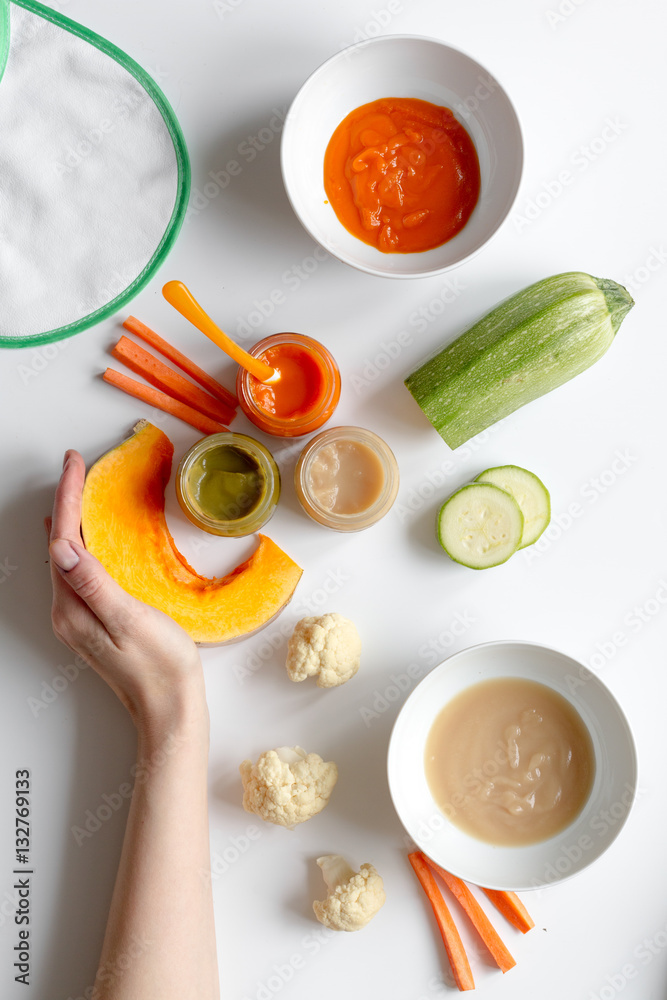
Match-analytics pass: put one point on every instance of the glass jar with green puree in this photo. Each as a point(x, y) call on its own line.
point(228, 484)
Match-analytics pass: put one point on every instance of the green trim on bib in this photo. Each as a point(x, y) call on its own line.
point(180, 149)
point(4, 34)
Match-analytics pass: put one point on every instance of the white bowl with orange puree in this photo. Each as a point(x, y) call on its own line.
point(402, 174)
point(512, 766)
point(413, 69)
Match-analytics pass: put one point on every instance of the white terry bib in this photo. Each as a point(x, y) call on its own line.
point(94, 176)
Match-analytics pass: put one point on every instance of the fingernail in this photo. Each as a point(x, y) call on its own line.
point(66, 459)
point(63, 554)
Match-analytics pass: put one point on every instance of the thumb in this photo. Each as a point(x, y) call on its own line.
point(88, 578)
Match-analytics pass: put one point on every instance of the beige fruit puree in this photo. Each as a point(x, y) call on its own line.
point(510, 761)
point(346, 477)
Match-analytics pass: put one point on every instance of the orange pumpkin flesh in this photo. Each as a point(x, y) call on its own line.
point(124, 526)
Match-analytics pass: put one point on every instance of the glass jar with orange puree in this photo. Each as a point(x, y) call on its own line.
point(303, 398)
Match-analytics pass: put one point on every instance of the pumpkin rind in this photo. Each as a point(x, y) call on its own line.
point(124, 526)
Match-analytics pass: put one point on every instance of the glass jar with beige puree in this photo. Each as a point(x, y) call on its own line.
point(346, 478)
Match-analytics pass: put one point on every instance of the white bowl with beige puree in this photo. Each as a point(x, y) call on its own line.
point(503, 866)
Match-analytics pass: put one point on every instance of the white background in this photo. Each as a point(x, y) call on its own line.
point(225, 69)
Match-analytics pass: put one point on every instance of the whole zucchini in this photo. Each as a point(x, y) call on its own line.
point(528, 345)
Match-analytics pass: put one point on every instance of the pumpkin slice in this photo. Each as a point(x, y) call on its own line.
point(124, 526)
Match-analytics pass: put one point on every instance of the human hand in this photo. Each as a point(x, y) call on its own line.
point(145, 657)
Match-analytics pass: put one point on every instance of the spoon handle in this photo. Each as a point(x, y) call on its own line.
point(183, 301)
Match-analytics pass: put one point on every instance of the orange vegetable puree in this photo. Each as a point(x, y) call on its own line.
point(301, 387)
point(402, 174)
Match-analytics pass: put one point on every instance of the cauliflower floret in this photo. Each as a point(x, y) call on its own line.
point(287, 786)
point(325, 646)
point(353, 898)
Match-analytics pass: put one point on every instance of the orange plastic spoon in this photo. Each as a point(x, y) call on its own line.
point(183, 301)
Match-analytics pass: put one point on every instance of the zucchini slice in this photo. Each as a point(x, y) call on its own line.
point(529, 492)
point(480, 526)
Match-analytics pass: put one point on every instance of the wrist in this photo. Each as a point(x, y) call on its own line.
point(176, 709)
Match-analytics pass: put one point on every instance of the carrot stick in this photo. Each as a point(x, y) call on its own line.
point(511, 908)
point(153, 397)
point(479, 919)
point(162, 377)
point(139, 329)
point(452, 940)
